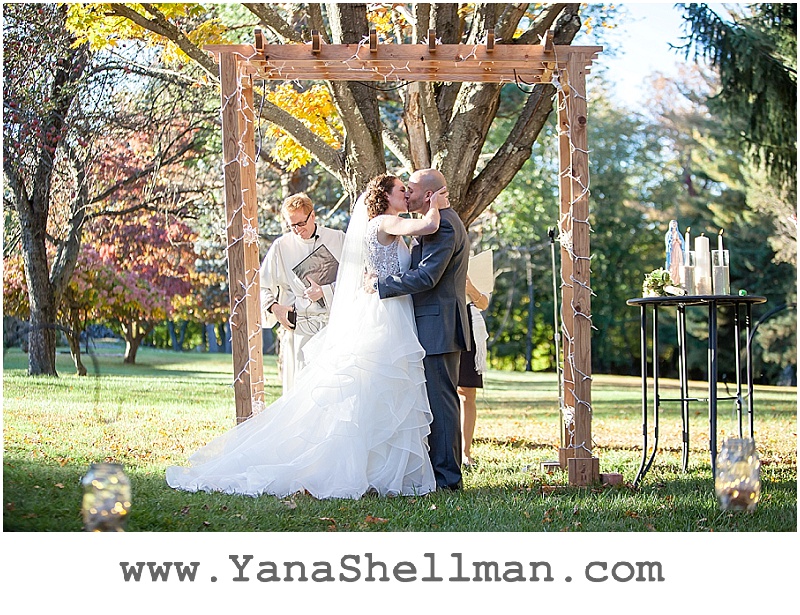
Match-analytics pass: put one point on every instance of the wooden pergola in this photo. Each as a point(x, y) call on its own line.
point(563, 66)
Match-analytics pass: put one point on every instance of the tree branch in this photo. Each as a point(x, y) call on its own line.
point(163, 27)
point(270, 18)
point(148, 170)
point(397, 148)
point(323, 153)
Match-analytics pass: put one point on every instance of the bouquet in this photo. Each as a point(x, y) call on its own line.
point(659, 283)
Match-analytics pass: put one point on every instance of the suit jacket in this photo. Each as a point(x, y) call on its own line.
point(436, 281)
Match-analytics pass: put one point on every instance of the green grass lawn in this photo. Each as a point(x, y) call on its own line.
point(156, 413)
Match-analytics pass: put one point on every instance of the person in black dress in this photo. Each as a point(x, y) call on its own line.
point(470, 377)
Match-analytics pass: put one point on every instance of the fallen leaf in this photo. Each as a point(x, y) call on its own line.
point(371, 519)
point(433, 507)
point(331, 525)
point(59, 485)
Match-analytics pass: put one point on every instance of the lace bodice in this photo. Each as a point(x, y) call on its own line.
point(384, 260)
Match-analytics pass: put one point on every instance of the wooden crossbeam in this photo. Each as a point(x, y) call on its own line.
point(389, 62)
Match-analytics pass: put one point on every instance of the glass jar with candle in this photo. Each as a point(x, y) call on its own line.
point(106, 498)
point(687, 274)
point(721, 272)
point(738, 477)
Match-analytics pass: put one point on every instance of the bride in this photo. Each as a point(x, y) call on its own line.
point(358, 418)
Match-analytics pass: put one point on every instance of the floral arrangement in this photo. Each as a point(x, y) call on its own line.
point(659, 283)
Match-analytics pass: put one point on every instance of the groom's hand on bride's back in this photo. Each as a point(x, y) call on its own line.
point(370, 283)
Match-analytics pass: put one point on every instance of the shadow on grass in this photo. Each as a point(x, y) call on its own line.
point(47, 498)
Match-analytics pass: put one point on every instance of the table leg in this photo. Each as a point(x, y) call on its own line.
point(749, 353)
point(643, 350)
point(712, 384)
point(683, 372)
point(656, 396)
point(737, 344)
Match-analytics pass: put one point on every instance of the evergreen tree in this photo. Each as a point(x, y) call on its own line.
point(755, 55)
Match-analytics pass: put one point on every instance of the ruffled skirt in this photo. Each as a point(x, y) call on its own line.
point(356, 421)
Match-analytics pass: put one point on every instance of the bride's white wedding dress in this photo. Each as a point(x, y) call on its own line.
point(357, 419)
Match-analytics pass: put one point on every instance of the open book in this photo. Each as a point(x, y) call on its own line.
point(481, 271)
point(320, 265)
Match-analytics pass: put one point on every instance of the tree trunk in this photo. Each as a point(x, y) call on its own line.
point(173, 336)
point(30, 182)
point(182, 336)
point(177, 338)
point(133, 332)
point(74, 339)
point(42, 335)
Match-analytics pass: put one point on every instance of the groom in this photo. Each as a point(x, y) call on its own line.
point(436, 281)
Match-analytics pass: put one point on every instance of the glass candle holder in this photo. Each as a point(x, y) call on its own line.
point(738, 477)
point(720, 266)
point(106, 498)
point(687, 273)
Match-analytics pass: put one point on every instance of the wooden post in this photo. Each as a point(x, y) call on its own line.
point(240, 288)
point(583, 468)
point(252, 280)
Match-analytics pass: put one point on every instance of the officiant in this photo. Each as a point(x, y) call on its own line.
point(297, 281)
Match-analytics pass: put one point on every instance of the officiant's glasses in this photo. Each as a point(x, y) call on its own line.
point(298, 225)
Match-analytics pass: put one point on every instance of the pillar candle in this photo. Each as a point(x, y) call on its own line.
point(686, 245)
point(702, 274)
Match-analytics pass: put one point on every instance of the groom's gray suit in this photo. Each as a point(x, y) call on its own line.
point(437, 282)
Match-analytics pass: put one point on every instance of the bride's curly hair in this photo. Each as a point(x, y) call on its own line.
point(377, 194)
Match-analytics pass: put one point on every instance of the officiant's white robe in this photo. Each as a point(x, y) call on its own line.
point(280, 284)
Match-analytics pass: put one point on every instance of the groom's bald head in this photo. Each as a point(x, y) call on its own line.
point(421, 185)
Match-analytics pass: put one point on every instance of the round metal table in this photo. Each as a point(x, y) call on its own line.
point(712, 303)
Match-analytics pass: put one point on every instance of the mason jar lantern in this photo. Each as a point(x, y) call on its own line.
point(738, 478)
point(106, 498)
